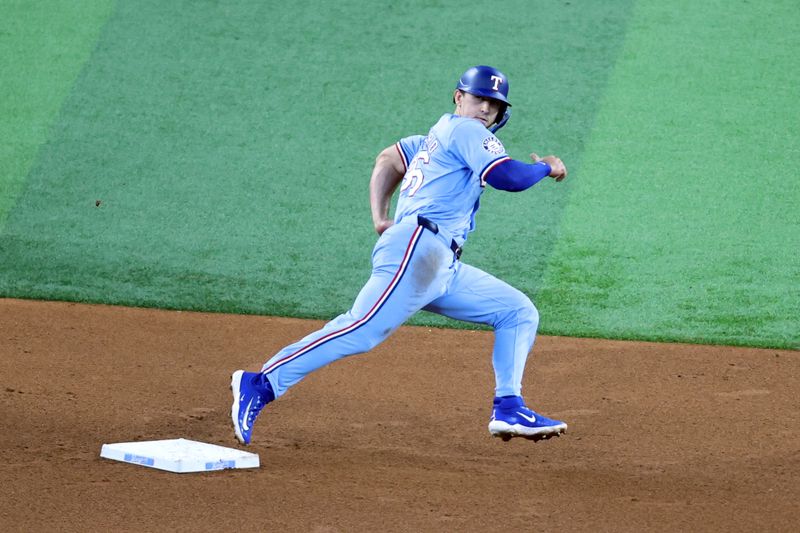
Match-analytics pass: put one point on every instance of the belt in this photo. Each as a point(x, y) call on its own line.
point(433, 227)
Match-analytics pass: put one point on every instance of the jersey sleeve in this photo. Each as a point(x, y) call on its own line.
point(408, 147)
point(478, 148)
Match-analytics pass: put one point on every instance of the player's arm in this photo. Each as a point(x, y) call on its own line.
point(512, 175)
point(386, 176)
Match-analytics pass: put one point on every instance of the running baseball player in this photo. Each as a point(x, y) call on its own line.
point(416, 260)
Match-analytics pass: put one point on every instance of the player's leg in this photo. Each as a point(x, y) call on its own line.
point(411, 267)
point(476, 296)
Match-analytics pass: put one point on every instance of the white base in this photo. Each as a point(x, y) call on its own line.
point(179, 455)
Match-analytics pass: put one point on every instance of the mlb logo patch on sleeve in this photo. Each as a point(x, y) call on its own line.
point(493, 145)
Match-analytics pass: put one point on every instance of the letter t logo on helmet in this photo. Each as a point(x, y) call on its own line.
point(488, 82)
point(497, 80)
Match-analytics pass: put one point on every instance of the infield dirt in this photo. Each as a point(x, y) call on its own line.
point(662, 437)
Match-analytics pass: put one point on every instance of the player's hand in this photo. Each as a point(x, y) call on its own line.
point(383, 224)
point(557, 168)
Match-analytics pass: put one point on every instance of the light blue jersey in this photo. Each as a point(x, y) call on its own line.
point(445, 173)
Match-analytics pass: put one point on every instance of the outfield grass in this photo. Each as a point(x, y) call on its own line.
point(43, 46)
point(230, 144)
point(681, 225)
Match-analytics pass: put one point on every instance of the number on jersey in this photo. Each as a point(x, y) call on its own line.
point(415, 177)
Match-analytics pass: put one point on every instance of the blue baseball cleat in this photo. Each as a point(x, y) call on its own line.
point(510, 418)
point(251, 392)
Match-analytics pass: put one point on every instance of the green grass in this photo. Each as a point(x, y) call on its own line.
point(683, 224)
point(230, 145)
point(43, 46)
point(233, 144)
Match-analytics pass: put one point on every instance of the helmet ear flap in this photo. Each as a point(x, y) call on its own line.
point(506, 114)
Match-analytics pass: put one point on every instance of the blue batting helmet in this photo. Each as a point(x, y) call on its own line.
point(488, 82)
point(485, 81)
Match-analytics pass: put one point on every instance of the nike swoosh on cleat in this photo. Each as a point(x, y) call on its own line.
point(244, 418)
point(531, 419)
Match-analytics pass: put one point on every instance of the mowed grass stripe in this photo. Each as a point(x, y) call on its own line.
point(43, 46)
point(231, 147)
point(683, 222)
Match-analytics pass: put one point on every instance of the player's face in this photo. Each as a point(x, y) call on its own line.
point(477, 107)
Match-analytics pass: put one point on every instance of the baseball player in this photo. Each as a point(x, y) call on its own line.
point(416, 260)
